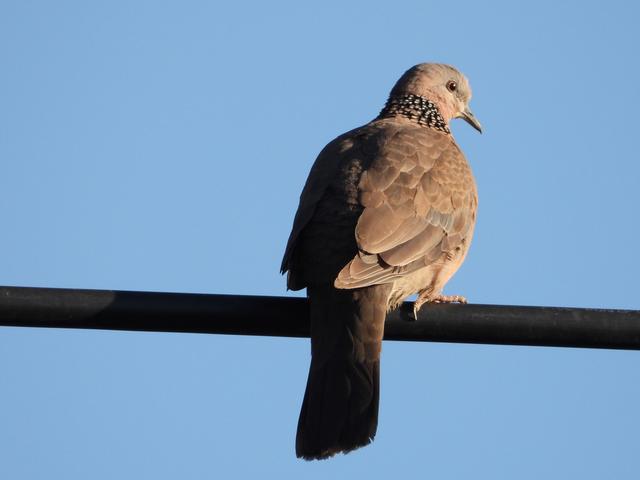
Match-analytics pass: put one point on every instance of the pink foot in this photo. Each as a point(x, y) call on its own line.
point(449, 299)
point(421, 300)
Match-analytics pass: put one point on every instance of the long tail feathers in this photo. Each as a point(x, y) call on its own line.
point(340, 408)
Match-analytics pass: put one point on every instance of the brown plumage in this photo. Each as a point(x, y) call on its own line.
point(388, 210)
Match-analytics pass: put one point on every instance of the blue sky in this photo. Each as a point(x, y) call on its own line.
point(162, 146)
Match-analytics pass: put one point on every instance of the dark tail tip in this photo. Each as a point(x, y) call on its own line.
point(328, 453)
point(340, 409)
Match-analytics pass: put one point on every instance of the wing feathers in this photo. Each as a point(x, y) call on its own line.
point(419, 199)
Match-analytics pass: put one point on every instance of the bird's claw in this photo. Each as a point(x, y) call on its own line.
point(449, 299)
point(437, 299)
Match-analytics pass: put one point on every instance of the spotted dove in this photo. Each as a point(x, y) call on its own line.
point(388, 211)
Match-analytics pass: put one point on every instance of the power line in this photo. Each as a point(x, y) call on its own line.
point(288, 317)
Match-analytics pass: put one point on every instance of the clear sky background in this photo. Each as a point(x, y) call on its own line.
point(162, 146)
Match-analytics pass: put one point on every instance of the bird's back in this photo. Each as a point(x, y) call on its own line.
point(400, 155)
point(322, 239)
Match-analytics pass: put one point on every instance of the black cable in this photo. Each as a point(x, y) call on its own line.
point(288, 317)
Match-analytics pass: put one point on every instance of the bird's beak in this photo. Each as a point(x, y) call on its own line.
point(470, 118)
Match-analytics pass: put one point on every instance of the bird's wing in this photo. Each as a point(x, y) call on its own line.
point(325, 170)
point(419, 202)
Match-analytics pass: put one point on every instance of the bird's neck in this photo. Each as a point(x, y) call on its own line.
point(416, 108)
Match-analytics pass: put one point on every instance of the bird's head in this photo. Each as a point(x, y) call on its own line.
point(443, 85)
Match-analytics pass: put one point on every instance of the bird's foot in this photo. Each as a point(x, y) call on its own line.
point(421, 300)
point(449, 299)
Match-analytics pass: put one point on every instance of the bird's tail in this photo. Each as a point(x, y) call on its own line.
point(340, 408)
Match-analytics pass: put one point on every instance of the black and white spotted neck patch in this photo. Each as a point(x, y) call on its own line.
point(415, 107)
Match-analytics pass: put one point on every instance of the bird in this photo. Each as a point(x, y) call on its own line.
point(388, 210)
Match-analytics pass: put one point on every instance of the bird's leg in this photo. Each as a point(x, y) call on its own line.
point(425, 297)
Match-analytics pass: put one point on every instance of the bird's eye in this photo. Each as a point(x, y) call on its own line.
point(452, 86)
